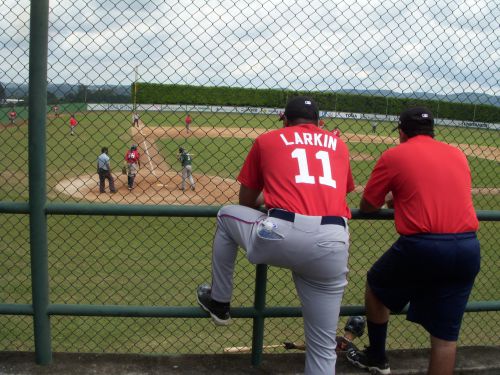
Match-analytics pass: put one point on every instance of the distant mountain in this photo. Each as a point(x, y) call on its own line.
point(13, 90)
point(19, 90)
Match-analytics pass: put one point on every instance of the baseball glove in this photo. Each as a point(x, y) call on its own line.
point(344, 344)
point(124, 170)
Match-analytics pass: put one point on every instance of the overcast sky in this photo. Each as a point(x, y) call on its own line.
point(438, 46)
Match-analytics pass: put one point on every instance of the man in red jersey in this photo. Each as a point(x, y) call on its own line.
point(302, 175)
point(434, 262)
point(321, 123)
point(188, 120)
point(12, 116)
point(133, 163)
point(72, 124)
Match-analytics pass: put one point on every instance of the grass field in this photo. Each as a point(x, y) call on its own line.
point(160, 261)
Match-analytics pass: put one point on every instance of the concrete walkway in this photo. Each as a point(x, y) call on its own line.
point(471, 360)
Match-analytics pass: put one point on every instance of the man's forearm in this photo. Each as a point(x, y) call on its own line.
point(367, 207)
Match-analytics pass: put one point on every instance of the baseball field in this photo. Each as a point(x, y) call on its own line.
point(160, 261)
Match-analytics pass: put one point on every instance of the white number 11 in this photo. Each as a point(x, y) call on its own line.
point(304, 177)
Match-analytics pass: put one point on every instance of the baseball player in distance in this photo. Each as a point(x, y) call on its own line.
point(133, 163)
point(188, 120)
point(434, 262)
point(302, 175)
point(72, 124)
point(187, 168)
point(135, 119)
point(321, 123)
point(12, 116)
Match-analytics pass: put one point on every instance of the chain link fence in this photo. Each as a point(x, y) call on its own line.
point(230, 66)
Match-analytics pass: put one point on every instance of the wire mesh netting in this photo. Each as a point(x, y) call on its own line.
point(209, 77)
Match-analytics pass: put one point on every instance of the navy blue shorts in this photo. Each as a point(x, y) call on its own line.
point(434, 273)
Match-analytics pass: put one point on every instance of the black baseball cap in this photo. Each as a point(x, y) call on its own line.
point(416, 120)
point(301, 107)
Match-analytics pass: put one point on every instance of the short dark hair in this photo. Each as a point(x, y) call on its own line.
point(104, 149)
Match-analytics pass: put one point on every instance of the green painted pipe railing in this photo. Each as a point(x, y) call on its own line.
point(177, 211)
point(258, 312)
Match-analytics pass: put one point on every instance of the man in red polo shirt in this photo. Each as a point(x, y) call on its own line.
point(434, 262)
point(304, 175)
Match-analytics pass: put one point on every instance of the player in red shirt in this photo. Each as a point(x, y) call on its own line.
point(321, 123)
point(72, 124)
point(133, 163)
point(12, 117)
point(336, 132)
point(302, 175)
point(188, 120)
point(434, 262)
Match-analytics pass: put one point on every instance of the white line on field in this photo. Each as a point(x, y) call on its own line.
point(147, 153)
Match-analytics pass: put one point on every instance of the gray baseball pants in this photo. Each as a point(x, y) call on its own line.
point(317, 256)
point(187, 173)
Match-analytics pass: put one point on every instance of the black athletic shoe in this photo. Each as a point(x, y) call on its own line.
point(218, 311)
point(364, 360)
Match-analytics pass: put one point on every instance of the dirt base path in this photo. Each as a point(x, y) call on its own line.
point(160, 183)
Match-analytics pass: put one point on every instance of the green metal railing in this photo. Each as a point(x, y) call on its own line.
point(41, 309)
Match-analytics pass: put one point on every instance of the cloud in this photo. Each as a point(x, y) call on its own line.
point(404, 45)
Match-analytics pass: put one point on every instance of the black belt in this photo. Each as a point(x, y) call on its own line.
point(290, 216)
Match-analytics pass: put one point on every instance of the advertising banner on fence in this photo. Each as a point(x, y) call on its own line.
point(275, 111)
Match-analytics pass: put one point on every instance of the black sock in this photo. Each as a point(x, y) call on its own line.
point(377, 334)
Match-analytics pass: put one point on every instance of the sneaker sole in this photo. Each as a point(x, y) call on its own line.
point(217, 321)
point(372, 369)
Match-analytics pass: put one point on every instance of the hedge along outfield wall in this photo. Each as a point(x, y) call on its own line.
point(327, 101)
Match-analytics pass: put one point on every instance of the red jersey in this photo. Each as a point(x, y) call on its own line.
point(73, 122)
point(431, 185)
point(321, 124)
point(336, 132)
point(13, 114)
point(301, 169)
point(188, 120)
point(132, 157)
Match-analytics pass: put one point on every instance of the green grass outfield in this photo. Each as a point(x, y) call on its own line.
point(160, 261)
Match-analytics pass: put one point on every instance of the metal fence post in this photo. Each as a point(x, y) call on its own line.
point(258, 321)
point(39, 21)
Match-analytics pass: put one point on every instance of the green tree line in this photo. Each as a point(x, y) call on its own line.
point(154, 93)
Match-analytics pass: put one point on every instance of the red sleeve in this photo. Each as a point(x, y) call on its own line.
point(251, 172)
point(350, 180)
point(378, 184)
